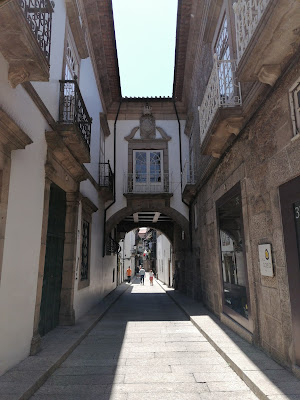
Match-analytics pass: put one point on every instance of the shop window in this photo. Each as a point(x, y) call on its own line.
point(233, 260)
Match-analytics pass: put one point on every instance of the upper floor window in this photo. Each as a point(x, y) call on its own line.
point(72, 59)
point(222, 43)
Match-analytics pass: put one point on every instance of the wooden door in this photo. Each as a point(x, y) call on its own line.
point(50, 304)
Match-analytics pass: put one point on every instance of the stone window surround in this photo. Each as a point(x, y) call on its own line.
point(12, 137)
point(88, 208)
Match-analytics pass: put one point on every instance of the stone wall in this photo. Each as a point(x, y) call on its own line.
point(264, 156)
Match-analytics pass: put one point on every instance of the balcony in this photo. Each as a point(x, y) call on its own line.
point(148, 184)
point(106, 181)
point(189, 180)
point(220, 113)
point(25, 39)
point(267, 36)
point(74, 122)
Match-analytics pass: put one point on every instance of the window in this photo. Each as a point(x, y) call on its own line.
point(295, 106)
point(225, 65)
point(72, 59)
point(88, 208)
point(84, 272)
point(233, 260)
point(147, 171)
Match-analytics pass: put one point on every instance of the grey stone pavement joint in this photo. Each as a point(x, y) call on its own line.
point(267, 379)
point(22, 381)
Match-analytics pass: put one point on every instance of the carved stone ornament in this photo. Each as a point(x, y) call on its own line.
point(147, 126)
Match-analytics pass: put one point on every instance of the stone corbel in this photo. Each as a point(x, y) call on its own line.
point(17, 74)
point(269, 74)
point(234, 125)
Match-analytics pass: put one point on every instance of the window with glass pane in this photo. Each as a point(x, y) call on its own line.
point(232, 255)
point(84, 273)
point(140, 166)
point(155, 167)
point(222, 52)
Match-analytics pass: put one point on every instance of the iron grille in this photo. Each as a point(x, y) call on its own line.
point(106, 176)
point(39, 16)
point(147, 183)
point(72, 109)
point(84, 273)
point(112, 247)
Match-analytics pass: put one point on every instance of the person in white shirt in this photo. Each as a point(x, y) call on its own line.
point(142, 275)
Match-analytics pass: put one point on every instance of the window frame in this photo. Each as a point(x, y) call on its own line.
point(295, 111)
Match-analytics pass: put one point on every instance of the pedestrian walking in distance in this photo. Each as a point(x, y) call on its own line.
point(128, 273)
point(142, 274)
point(151, 275)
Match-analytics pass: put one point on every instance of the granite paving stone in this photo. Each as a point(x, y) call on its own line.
point(144, 347)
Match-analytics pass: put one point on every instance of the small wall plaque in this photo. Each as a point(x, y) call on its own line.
point(265, 260)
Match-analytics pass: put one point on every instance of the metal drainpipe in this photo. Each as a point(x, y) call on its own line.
point(114, 187)
point(180, 150)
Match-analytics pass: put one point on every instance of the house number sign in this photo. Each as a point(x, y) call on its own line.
point(265, 260)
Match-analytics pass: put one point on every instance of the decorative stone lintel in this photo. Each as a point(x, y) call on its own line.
point(12, 137)
point(269, 74)
point(64, 156)
point(104, 124)
point(88, 205)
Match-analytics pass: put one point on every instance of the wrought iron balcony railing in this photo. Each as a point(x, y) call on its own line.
point(247, 16)
point(188, 175)
point(222, 91)
point(147, 183)
point(39, 16)
point(72, 109)
point(106, 177)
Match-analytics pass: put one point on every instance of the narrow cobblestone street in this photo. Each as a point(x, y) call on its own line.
point(144, 347)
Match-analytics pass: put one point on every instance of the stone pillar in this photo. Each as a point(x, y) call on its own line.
point(67, 313)
point(36, 339)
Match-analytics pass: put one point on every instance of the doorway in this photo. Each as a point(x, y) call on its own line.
point(290, 212)
point(52, 281)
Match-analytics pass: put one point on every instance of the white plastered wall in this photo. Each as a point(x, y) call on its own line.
point(22, 244)
point(23, 226)
point(163, 258)
point(123, 129)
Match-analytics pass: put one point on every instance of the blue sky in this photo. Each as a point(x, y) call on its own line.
point(146, 34)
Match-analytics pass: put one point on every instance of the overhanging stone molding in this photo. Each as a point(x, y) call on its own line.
point(12, 137)
point(27, 57)
point(64, 156)
point(88, 206)
point(104, 124)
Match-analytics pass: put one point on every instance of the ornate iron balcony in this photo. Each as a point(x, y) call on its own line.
point(112, 247)
point(39, 16)
point(147, 183)
point(72, 109)
point(247, 16)
point(106, 178)
point(222, 91)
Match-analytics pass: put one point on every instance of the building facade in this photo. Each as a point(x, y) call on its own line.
point(55, 180)
point(241, 89)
